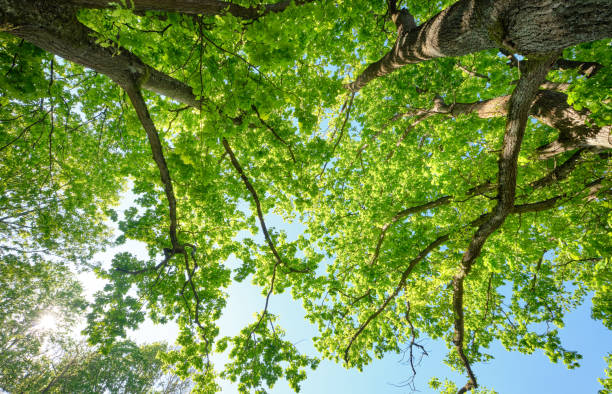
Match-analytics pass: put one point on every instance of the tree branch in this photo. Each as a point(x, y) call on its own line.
point(549, 107)
point(253, 193)
point(25, 130)
point(402, 214)
point(402, 282)
point(168, 254)
point(518, 112)
point(348, 114)
point(278, 137)
point(202, 7)
point(410, 127)
point(472, 73)
point(78, 45)
point(158, 156)
point(470, 26)
point(588, 69)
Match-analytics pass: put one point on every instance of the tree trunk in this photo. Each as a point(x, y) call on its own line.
point(534, 27)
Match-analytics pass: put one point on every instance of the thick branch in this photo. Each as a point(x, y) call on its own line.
point(158, 155)
point(549, 107)
point(588, 69)
point(518, 112)
point(522, 208)
point(469, 26)
point(201, 7)
point(65, 36)
point(560, 172)
point(403, 19)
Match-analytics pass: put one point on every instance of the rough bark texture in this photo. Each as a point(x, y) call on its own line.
point(518, 112)
point(157, 149)
point(549, 107)
point(56, 29)
point(574, 130)
point(468, 26)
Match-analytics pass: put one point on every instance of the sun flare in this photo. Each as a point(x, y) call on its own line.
point(47, 322)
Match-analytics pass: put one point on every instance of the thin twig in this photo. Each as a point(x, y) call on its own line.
point(278, 137)
point(253, 193)
point(348, 112)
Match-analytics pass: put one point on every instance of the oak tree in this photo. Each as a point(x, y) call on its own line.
point(450, 161)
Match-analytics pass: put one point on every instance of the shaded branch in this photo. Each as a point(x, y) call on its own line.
point(78, 45)
point(25, 130)
point(549, 107)
point(348, 113)
point(402, 282)
point(518, 112)
point(468, 27)
point(403, 19)
point(471, 73)
point(204, 7)
point(268, 295)
point(168, 254)
point(253, 193)
point(158, 156)
point(410, 127)
point(402, 214)
point(417, 113)
point(278, 137)
point(535, 274)
point(588, 69)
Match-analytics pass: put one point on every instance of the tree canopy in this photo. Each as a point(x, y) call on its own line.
point(450, 161)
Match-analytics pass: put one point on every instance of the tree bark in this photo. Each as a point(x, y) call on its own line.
point(518, 111)
point(56, 29)
point(468, 26)
point(195, 7)
point(549, 107)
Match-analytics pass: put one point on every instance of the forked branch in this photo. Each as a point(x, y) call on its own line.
point(402, 214)
point(402, 282)
point(518, 112)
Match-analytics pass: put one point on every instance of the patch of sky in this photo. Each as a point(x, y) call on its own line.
point(388, 374)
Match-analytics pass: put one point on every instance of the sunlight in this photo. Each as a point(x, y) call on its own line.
point(47, 322)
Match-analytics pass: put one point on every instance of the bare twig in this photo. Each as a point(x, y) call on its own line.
point(413, 340)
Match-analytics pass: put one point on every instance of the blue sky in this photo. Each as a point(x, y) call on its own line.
point(509, 372)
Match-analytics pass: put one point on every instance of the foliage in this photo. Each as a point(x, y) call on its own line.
point(30, 290)
point(607, 381)
point(390, 187)
point(44, 358)
point(126, 368)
